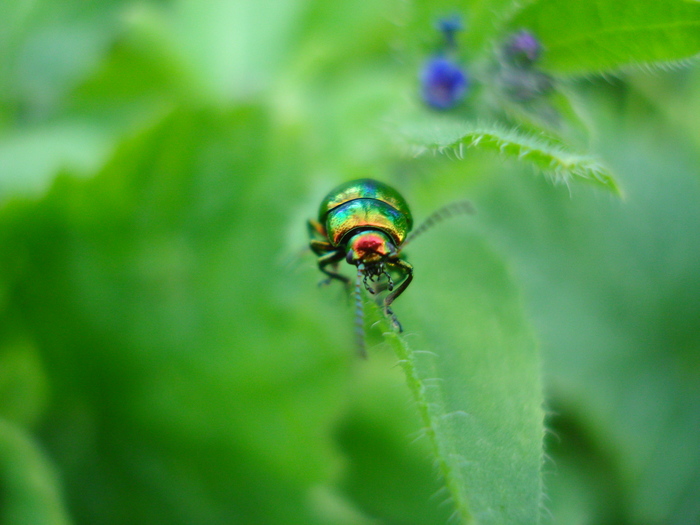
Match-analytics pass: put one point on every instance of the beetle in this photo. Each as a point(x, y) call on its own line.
point(367, 223)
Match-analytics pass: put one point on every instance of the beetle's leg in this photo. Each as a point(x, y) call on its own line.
point(394, 320)
point(407, 269)
point(315, 229)
point(332, 258)
point(368, 287)
point(318, 242)
point(389, 281)
point(321, 247)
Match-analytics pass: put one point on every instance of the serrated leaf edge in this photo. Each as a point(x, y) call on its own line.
point(562, 165)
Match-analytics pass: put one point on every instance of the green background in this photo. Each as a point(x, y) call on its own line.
point(166, 355)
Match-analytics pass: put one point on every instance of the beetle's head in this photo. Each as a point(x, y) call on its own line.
point(370, 247)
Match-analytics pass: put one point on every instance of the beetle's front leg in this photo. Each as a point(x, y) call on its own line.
point(407, 270)
point(332, 258)
point(316, 229)
point(321, 247)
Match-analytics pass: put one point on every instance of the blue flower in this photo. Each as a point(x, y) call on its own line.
point(443, 83)
point(450, 24)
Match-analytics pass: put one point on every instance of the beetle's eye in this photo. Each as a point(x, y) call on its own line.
point(348, 257)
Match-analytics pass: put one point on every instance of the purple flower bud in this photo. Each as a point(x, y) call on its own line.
point(443, 83)
point(449, 27)
point(523, 49)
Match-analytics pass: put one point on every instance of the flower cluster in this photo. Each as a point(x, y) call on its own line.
point(519, 76)
point(444, 83)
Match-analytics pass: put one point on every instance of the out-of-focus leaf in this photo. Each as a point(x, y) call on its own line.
point(29, 160)
point(235, 48)
point(70, 107)
point(595, 36)
point(612, 287)
point(178, 392)
point(30, 488)
point(557, 114)
point(47, 48)
point(679, 109)
point(23, 384)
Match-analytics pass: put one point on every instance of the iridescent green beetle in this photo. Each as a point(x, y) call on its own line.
point(364, 222)
point(367, 223)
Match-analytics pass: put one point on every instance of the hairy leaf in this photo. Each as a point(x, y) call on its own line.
point(471, 363)
point(593, 36)
point(548, 155)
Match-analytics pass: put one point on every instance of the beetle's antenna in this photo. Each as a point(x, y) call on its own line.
point(446, 212)
point(359, 313)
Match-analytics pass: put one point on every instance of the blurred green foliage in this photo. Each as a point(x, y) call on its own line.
point(166, 355)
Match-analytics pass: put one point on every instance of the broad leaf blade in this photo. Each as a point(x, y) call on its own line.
point(153, 232)
point(472, 365)
point(587, 36)
point(31, 492)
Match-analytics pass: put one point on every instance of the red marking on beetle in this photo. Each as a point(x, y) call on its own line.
point(370, 243)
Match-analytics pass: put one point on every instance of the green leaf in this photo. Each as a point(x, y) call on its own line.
point(23, 384)
point(30, 486)
point(548, 155)
point(235, 48)
point(390, 481)
point(47, 48)
point(587, 36)
point(612, 287)
point(472, 365)
point(31, 158)
point(165, 406)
